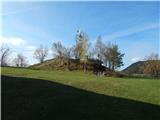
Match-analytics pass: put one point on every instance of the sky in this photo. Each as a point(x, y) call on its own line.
point(133, 26)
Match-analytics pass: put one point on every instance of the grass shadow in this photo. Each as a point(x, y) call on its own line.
point(35, 99)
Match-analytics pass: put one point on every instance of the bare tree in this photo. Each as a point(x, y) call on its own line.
point(152, 65)
point(20, 61)
point(65, 53)
point(91, 52)
point(152, 56)
point(58, 49)
point(68, 54)
point(99, 46)
point(41, 53)
point(75, 52)
point(5, 52)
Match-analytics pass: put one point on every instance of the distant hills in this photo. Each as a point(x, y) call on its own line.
point(149, 68)
point(135, 68)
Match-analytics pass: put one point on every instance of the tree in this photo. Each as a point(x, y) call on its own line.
point(58, 49)
point(152, 65)
point(40, 53)
point(68, 54)
point(115, 57)
point(112, 57)
point(152, 56)
point(62, 52)
point(75, 52)
point(99, 46)
point(81, 45)
point(5, 52)
point(20, 61)
point(91, 52)
point(107, 55)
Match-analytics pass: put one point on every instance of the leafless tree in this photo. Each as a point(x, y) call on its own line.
point(58, 49)
point(152, 65)
point(5, 52)
point(99, 46)
point(65, 53)
point(152, 56)
point(68, 54)
point(20, 61)
point(41, 53)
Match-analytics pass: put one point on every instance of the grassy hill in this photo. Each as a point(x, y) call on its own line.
point(74, 64)
point(38, 94)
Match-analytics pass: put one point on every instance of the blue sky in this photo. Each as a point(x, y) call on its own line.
point(134, 26)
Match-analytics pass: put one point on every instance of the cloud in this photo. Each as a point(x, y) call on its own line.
point(19, 45)
point(14, 41)
point(131, 31)
point(135, 59)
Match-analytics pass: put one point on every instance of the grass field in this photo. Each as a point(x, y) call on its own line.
point(41, 95)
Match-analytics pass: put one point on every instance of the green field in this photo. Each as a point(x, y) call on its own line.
point(42, 95)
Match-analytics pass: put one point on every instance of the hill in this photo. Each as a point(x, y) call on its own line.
point(149, 68)
point(135, 68)
point(63, 95)
point(71, 64)
point(90, 65)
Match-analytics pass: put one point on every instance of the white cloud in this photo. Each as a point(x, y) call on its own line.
point(19, 45)
point(135, 59)
point(131, 31)
point(14, 41)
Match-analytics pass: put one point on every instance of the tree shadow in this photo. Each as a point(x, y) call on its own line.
point(35, 99)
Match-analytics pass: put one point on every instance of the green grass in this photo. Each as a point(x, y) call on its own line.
point(146, 90)
point(83, 96)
